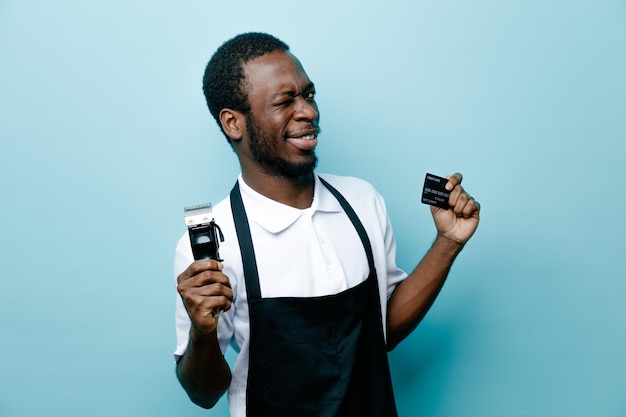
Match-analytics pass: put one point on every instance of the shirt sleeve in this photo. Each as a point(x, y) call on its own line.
point(394, 274)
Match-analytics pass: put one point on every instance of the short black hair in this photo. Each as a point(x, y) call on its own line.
point(223, 82)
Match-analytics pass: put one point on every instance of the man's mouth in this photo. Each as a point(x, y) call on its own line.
point(306, 142)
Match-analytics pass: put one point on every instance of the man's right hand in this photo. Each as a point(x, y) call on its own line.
point(204, 289)
point(202, 370)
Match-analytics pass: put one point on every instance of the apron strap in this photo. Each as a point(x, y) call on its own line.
point(242, 227)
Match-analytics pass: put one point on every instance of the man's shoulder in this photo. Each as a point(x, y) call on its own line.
point(346, 182)
point(351, 187)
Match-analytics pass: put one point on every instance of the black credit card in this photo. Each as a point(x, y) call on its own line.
point(434, 192)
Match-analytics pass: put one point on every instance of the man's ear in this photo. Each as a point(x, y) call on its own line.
point(233, 123)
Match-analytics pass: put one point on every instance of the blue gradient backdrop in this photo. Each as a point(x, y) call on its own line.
point(105, 137)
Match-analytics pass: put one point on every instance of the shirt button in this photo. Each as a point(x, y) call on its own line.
point(321, 240)
point(328, 261)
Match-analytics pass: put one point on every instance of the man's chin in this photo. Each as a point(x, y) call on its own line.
point(294, 170)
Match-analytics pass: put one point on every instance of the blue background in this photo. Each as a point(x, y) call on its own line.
point(105, 136)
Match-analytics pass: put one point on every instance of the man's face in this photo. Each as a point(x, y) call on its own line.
point(283, 122)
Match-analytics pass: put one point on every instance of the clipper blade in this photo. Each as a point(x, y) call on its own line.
point(196, 215)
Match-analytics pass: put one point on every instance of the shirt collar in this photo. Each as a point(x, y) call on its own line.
point(276, 217)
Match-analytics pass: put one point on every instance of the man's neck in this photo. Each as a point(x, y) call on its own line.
point(294, 192)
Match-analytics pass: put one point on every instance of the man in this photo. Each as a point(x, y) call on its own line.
point(312, 295)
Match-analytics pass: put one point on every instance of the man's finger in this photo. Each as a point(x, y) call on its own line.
point(471, 208)
point(203, 265)
point(454, 180)
point(198, 267)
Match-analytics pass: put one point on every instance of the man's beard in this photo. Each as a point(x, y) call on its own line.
point(263, 154)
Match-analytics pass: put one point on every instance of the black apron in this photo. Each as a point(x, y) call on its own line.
point(318, 356)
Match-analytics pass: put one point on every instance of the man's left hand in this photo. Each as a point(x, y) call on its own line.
point(460, 221)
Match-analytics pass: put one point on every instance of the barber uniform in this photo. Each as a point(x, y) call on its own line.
point(319, 356)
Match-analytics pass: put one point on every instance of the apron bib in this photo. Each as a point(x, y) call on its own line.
point(315, 356)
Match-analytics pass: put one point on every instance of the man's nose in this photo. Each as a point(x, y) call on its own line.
point(306, 110)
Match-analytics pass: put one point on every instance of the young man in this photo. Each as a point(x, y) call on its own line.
point(312, 295)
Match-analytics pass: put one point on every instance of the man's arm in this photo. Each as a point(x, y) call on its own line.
point(202, 371)
point(413, 297)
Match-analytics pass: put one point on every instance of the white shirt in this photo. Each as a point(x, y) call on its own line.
point(299, 253)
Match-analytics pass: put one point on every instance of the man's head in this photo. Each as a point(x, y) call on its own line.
point(224, 76)
point(266, 106)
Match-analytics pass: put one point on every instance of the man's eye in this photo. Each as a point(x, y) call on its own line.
point(310, 96)
point(285, 102)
